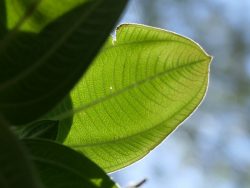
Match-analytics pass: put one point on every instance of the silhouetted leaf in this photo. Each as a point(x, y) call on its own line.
point(3, 28)
point(62, 167)
point(38, 68)
point(16, 169)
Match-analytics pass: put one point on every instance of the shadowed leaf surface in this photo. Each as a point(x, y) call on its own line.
point(48, 50)
point(16, 169)
point(62, 167)
point(46, 129)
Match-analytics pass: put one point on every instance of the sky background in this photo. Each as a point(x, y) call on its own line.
point(212, 147)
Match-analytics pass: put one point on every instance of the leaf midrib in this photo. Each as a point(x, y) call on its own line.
point(118, 44)
point(118, 92)
point(109, 47)
point(121, 139)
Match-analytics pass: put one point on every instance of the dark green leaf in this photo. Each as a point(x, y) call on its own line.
point(16, 169)
point(3, 28)
point(38, 69)
point(46, 129)
point(62, 167)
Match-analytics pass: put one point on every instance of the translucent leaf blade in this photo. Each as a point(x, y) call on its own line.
point(139, 89)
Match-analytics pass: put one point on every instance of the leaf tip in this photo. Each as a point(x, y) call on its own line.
point(210, 57)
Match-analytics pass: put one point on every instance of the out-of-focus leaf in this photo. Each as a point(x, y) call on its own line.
point(16, 169)
point(62, 167)
point(2, 19)
point(38, 69)
point(138, 90)
point(36, 14)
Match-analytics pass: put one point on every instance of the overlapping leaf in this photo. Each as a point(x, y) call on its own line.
point(62, 167)
point(139, 89)
point(48, 50)
point(16, 169)
point(34, 15)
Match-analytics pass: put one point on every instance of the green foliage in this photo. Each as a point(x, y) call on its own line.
point(53, 59)
point(139, 88)
point(15, 167)
point(137, 91)
point(62, 163)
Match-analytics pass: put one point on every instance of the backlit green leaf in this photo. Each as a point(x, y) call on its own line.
point(36, 14)
point(48, 49)
point(138, 90)
point(62, 167)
